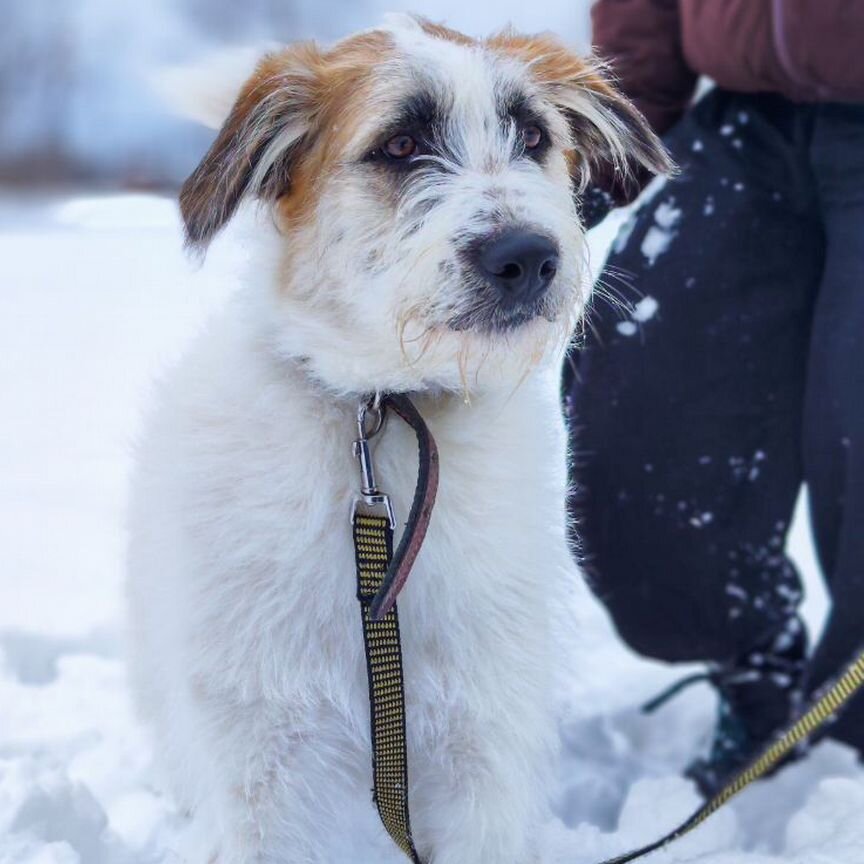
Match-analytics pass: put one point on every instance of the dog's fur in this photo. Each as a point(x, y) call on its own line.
point(247, 648)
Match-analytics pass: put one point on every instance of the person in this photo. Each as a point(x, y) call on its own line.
point(735, 372)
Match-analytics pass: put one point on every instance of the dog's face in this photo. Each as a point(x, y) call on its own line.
point(425, 187)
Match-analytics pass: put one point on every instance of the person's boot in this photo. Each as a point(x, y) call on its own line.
point(758, 698)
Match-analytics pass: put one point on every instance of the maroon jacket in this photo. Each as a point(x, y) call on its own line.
point(807, 50)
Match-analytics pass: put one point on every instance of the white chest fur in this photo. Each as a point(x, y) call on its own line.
point(247, 644)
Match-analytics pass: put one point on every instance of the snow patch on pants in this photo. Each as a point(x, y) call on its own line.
point(643, 311)
point(660, 235)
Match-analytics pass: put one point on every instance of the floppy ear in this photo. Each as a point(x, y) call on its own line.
point(258, 144)
point(613, 147)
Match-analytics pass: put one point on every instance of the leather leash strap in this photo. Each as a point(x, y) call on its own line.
point(380, 577)
point(421, 506)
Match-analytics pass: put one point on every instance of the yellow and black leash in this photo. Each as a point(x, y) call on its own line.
point(373, 548)
point(380, 576)
point(826, 706)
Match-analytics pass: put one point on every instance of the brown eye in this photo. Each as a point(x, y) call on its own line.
point(531, 137)
point(400, 146)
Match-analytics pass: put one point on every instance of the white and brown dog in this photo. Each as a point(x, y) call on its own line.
point(422, 236)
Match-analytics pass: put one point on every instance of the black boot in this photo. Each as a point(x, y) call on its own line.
point(758, 698)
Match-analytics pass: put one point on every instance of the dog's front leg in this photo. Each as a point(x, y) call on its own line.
point(249, 807)
point(483, 801)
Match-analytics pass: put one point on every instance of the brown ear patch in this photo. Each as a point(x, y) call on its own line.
point(276, 101)
point(614, 147)
point(273, 130)
point(345, 77)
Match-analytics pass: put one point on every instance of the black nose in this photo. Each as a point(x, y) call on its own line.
point(520, 264)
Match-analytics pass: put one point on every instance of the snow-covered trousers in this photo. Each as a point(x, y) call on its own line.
point(736, 374)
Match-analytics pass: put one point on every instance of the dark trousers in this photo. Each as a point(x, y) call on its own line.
point(740, 373)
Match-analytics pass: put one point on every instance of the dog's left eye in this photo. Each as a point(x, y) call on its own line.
point(401, 146)
point(532, 137)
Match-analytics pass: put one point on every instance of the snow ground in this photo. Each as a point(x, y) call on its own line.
point(95, 298)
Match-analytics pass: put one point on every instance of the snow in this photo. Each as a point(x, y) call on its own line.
point(641, 312)
point(97, 298)
point(702, 519)
point(645, 309)
point(660, 235)
point(667, 215)
point(626, 328)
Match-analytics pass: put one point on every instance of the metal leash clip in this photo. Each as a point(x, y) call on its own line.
point(371, 409)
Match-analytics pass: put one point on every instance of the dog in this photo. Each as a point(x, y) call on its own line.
point(418, 232)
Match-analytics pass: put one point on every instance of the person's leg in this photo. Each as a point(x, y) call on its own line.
point(686, 413)
point(834, 418)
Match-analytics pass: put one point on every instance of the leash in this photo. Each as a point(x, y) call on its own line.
point(833, 698)
point(381, 575)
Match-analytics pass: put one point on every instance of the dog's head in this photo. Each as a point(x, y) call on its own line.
point(425, 190)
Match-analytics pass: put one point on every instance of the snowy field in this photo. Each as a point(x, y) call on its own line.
point(95, 298)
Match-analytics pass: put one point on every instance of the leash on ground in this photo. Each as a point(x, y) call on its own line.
point(824, 707)
point(380, 577)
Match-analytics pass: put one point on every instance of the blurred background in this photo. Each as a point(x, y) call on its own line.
point(78, 103)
